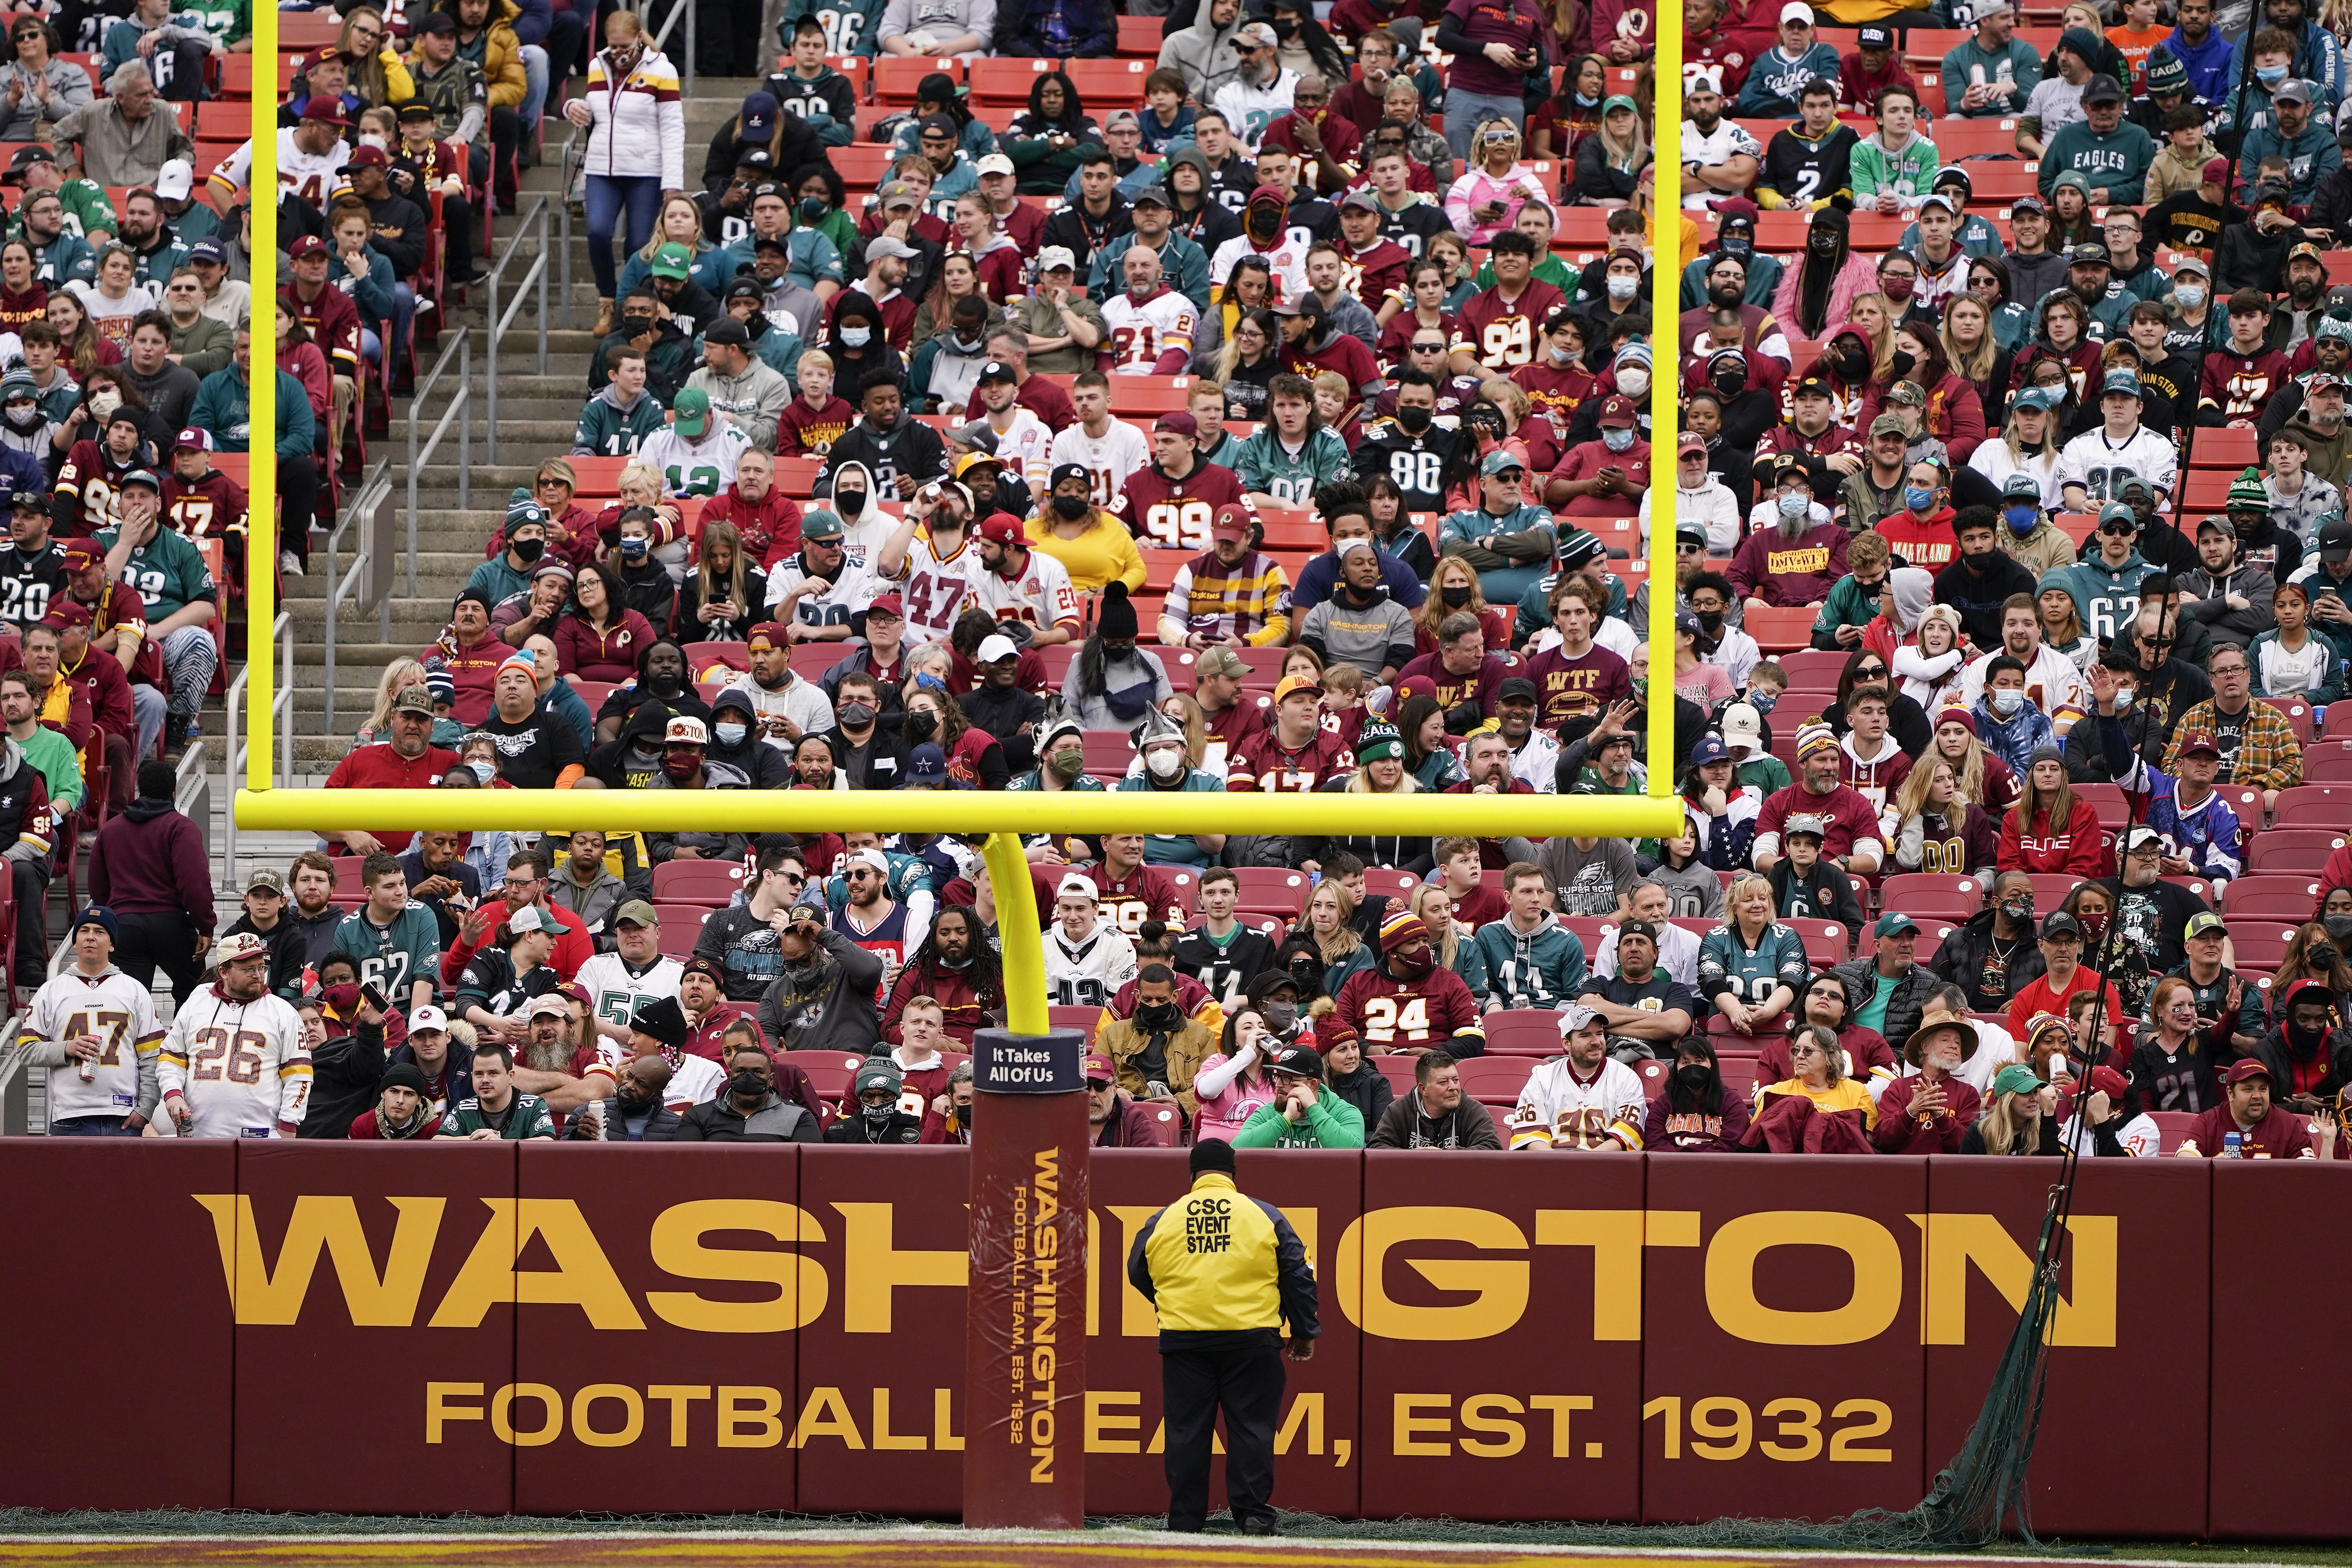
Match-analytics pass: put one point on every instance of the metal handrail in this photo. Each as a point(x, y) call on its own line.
point(460, 405)
point(534, 220)
point(574, 146)
point(282, 708)
point(15, 1086)
point(192, 794)
point(372, 492)
point(661, 40)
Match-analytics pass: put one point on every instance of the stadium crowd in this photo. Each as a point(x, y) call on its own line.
point(1288, 428)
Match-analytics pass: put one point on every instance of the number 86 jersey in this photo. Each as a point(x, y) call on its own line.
point(243, 1066)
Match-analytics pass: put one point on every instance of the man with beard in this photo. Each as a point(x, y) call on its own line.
point(1150, 327)
point(1024, 442)
point(634, 1114)
point(1184, 265)
point(405, 758)
point(958, 970)
point(824, 997)
point(1726, 290)
point(702, 998)
point(1797, 561)
point(274, 1099)
point(1719, 157)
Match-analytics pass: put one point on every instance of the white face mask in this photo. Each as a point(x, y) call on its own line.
point(1622, 286)
point(731, 734)
point(1165, 761)
point(1633, 381)
point(2007, 701)
point(105, 402)
point(1617, 440)
point(375, 138)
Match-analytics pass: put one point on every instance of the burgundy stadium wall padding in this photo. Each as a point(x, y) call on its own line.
point(341, 1326)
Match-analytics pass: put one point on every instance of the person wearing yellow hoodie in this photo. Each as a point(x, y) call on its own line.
point(486, 36)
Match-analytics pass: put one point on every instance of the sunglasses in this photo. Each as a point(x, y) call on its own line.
point(2118, 530)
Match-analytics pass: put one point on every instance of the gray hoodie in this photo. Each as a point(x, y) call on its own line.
point(1203, 52)
point(751, 401)
point(826, 1004)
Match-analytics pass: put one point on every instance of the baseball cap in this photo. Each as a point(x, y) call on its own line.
point(686, 729)
point(889, 606)
point(549, 1006)
point(2090, 253)
point(411, 699)
point(435, 22)
point(1574, 1018)
point(672, 260)
point(898, 193)
point(693, 410)
point(2246, 1067)
point(1742, 726)
point(326, 110)
point(2199, 740)
point(237, 946)
point(309, 245)
point(2123, 380)
point(1118, 118)
point(2215, 172)
point(210, 250)
point(2022, 486)
point(726, 330)
point(2104, 88)
point(427, 1019)
point(265, 880)
point(1256, 36)
point(995, 164)
point(1178, 423)
point(2206, 923)
point(2334, 539)
point(1690, 441)
point(1056, 259)
point(1797, 11)
point(1502, 460)
point(1099, 1068)
point(2294, 90)
point(1231, 522)
point(1942, 201)
point(1299, 1061)
point(1360, 201)
point(1805, 823)
point(1893, 923)
point(1616, 413)
point(2027, 204)
point(1291, 685)
point(1874, 36)
point(1150, 195)
point(885, 245)
point(636, 912)
point(994, 647)
point(820, 525)
point(1889, 424)
point(927, 766)
point(177, 178)
point(1221, 663)
point(2058, 922)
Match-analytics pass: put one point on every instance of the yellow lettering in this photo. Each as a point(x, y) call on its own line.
point(1955, 1241)
point(582, 1278)
point(1506, 1438)
point(438, 1408)
point(676, 1247)
point(502, 1411)
point(755, 1408)
point(1616, 1237)
point(882, 1436)
point(1305, 1410)
point(873, 1268)
point(1499, 1284)
point(274, 1297)
point(585, 1430)
point(1410, 1425)
point(1731, 1258)
point(824, 1415)
point(677, 1396)
point(1563, 1408)
point(945, 1438)
point(1101, 1423)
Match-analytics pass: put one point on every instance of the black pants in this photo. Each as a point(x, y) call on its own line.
point(31, 886)
point(168, 943)
point(1245, 1379)
point(297, 493)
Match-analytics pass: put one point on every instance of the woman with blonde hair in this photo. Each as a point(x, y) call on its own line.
point(1247, 363)
point(1448, 938)
point(1874, 316)
point(373, 68)
point(398, 676)
point(1934, 827)
point(1609, 159)
point(1330, 926)
point(2016, 1122)
point(1928, 668)
point(638, 484)
point(724, 596)
point(679, 223)
point(1973, 353)
point(1493, 184)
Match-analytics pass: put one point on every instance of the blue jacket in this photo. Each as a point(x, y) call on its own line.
point(2209, 74)
point(2014, 740)
point(1774, 80)
point(1090, 32)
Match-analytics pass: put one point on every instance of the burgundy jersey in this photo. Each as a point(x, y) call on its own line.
point(1375, 272)
point(2238, 384)
point(1388, 1014)
point(122, 607)
point(1175, 514)
point(1344, 354)
point(1225, 730)
point(1143, 894)
point(211, 508)
point(1479, 686)
point(92, 479)
point(1263, 763)
point(1570, 687)
point(1501, 333)
point(1555, 391)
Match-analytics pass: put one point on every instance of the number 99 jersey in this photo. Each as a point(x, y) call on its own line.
point(243, 1066)
point(1501, 334)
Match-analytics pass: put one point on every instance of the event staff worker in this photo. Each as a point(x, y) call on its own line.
point(1227, 1274)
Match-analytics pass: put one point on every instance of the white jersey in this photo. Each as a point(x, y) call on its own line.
point(2052, 681)
point(613, 992)
point(703, 468)
point(117, 1009)
point(2101, 466)
point(1140, 334)
point(1025, 447)
point(2140, 1137)
point(1249, 110)
point(1555, 1111)
point(862, 541)
point(936, 588)
point(313, 176)
point(1041, 596)
point(242, 1065)
point(693, 1080)
point(1108, 458)
point(1707, 148)
point(1087, 974)
point(1677, 954)
point(1287, 261)
point(851, 590)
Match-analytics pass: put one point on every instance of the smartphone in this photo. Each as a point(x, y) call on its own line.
point(373, 995)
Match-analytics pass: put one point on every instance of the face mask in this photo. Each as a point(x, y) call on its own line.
point(731, 734)
point(23, 416)
point(879, 1115)
point(2123, 699)
point(1822, 242)
point(1918, 498)
point(1164, 763)
point(1735, 247)
point(921, 727)
point(1763, 701)
point(1692, 1075)
point(637, 326)
point(484, 771)
point(2007, 701)
point(1710, 621)
point(2022, 519)
point(680, 768)
point(1633, 381)
point(2270, 76)
point(1066, 765)
point(2305, 1040)
point(2018, 909)
point(855, 715)
point(849, 502)
point(2319, 957)
point(105, 402)
point(1157, 1016)
point(1069, 509)
point(1793, 505)
point(813, 209)
point(1623, 287)
point(1730, 381)
point(634, 549)
point(1617, 440)
point(1413, 418)
point(1278, 1016)
point(1897, 289)
point(527, 549)
point(2340, 927)
point(857, 337)
point(747, 1084)
point(1286, 28)
point(2092, 924)
point(1454, 595)
point(1416, 965)
point(2188, 296)
point(1853, 364)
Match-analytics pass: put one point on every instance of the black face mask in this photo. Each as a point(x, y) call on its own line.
point(1412, 419)
point(849, 502)
point(527, 549)
point(637, 326)
point(1693, 1075)
point(1853, 364)
point(1069, 509)
point(2340, 927)
point(813, 209)
point(1710, 621)
point(2305, 1041)
point(1454, 595)
point(1730, 382)
point(2319, 957)
point(1822, 242)
point(1903, 363)
point(747, 1084)
point(1157, 1016)
point(921, 727)
point(630, 1104)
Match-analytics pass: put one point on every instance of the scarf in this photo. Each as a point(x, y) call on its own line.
point(385, 1128)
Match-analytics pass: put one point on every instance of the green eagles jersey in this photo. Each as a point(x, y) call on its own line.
point(88, 209)
point(526, 1117)
point(605, 431)
point(1752, 973)
point(1267, 468)
point(168, 570)
point(1084, 783)
point(392, 956)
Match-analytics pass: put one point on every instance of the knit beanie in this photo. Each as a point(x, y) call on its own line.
point(1115, 621)
point(2247, 494)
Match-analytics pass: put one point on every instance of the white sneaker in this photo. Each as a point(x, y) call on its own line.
point(426, 304)
point(289, 564)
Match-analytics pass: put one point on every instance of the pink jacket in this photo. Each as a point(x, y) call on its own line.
point(1858, 277)
point(1476, 188)
point(1222, 1115)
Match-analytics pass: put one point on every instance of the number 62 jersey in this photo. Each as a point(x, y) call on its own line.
point(242, 1065)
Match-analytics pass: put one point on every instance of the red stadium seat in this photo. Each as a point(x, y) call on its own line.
point(2291, 851)
point(1653, 1073)
point(2172, 1127)
point(713, 882)
point(2316, 805)
point(1804, 664)
point(2298, 715)
point(2258, 943)
point(896, 77)
point(2113, 810)
point(1390, 884)
point(1398, 1071)
point(1489, 1075)
point(1273, 890)
point(1781, 628)
point(1928, 895)
point(2328, 761)
point(830, 1073)
point(1139, 36)
point(1531, 1033)
point(1083, 1018)
point(681, 928)
point(2271, 898)
point(2050, 890)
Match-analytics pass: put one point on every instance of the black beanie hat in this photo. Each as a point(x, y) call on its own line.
point(1116, 620)
point(1213, 1154)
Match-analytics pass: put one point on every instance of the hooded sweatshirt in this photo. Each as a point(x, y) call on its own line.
point(1541, 968)
point(149, 860)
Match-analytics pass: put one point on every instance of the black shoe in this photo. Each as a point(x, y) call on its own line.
point(175, 735)
point(1260, 1524)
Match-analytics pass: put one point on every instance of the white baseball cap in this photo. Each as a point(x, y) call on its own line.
point(1056, 255)
point(870, 857)
point(428, 1019)
point(1797, 11)
point(174, 179)
point(996, 163)
point(1077, 884)
point(993, 646)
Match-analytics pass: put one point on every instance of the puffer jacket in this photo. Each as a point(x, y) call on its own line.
point(1902, 1009)
point(501, 61)
point(638, 122)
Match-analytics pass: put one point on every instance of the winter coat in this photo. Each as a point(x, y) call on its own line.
point(1902, 1009)
point(1203, 54)
point(1959, 957)
point(1472, 1124)
point(149, 860)
point(639, 122)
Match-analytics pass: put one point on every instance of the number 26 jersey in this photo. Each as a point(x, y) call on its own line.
point(242, 1065)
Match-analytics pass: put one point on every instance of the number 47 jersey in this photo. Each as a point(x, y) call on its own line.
point(242, 1065)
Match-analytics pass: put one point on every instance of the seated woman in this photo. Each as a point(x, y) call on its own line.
point(1818, 1110)
point(2017, 1123)
point(1828, 1005)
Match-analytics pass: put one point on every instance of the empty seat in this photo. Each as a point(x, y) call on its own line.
point(706, 882)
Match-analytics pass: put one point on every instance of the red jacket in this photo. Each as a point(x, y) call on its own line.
point(771, 526)
point(611, 657)
point(475, 668)
point(2080, 849)
point(100, 675)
